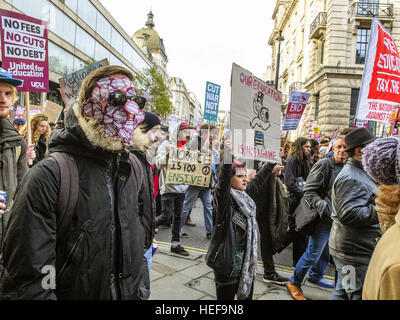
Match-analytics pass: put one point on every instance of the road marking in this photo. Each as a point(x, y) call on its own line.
point(259, 263)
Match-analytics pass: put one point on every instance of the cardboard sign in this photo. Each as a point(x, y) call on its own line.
point(189, 167)
point(255, 117)
point(24, 50)
point(295, 109)
point(212, 101)
point(380, 87)
point(70, 84)
point(52, 110)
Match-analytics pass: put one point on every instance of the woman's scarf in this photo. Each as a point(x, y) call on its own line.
point(248, 208)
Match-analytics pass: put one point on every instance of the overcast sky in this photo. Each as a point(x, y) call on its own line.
point(203, 38)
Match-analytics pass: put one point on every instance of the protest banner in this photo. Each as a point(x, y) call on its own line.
point(24, 50)
point(211, 101)
point(172, 122)
point(70, 84)
point(254, 117)
point(188, 167)
point(380, 87)
point(295, 108)
point(52, 111)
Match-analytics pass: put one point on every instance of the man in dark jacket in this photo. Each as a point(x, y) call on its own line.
point(13, 149)
point(145, 135)
point(99, 253)
point(355, 225)
point(318, 193)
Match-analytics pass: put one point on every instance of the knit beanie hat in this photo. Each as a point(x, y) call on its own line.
point(381, 160)
point(150, 121)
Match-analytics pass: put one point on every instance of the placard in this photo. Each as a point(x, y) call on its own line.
point(211, 103)
point(254, 117)
point(24, 50)
point(188, 167)
point(295, 109)
point(70, 84)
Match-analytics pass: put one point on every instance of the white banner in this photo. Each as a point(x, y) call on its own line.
point(255, 117)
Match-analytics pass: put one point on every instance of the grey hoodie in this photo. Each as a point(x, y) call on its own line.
point(160, 161)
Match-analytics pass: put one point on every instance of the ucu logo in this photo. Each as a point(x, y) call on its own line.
point(37, 84)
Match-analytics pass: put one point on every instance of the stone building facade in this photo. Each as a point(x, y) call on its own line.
point(323, 53)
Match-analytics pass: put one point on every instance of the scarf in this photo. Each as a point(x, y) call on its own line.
point(248, 208)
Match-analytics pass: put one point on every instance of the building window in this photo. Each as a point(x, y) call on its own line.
point(353, 106)
point(316, 113)
point(353, 111)
point(321, 61)
point(362, 45)
point(87, 12)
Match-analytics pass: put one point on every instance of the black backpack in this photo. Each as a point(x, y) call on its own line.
point(69, 186)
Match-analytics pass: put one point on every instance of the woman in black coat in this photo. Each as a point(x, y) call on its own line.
point(234, 241)
point(296, 172)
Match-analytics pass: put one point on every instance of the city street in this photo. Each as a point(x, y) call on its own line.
point(195, 278)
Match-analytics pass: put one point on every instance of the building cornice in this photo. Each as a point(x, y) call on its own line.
point(333, 71)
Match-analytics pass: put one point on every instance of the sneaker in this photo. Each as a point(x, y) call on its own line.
point(295, 291)
point(184, 235)
point(208, 235)
point(276, 279)
point(322, 283)
point(179, 250)
point(189, 222)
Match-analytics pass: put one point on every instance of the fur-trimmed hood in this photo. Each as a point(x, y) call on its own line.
point(387, 205)
point(84, 137)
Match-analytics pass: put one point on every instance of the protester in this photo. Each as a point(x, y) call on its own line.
point(52, 126)
point(172, 195)
point(146, 134)
point(315, 147)
point(13, 155)
point(355, 226)
point(296, 172)
point(18, 123)
point(271, 213)
point(151, 154)
point(232, 253)
point(40, 133)
point(202, 144)
point(381, 160)
point(96, 251)
point(318, 193)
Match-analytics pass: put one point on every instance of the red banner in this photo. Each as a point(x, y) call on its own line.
point(24, 50)
point(385, 81)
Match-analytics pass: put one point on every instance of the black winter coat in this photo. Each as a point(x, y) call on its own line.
point(229, 225)
point(100, 256)
point(355, 226)
point(40, 149)
point(318, 189)
point(293, 170)
point(147, 203)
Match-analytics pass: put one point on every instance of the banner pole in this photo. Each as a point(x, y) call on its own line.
point(28, 122)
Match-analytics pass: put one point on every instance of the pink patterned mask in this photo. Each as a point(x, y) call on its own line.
point(118, 121)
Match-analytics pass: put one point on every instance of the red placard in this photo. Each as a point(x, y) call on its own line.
point(24, 50)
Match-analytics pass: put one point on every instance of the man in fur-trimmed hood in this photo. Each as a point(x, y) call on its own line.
point(99, 253)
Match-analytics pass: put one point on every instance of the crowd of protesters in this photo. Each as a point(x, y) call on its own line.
point(85, 200)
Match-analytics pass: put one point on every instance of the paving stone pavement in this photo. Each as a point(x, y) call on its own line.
point(174, 277)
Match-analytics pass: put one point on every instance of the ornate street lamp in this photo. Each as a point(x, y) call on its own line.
point(279, 38)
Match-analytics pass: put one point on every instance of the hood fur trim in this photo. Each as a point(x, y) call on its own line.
point(140, 139)
point(95, 132)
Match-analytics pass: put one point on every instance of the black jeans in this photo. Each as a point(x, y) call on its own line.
point(172, 205)
point(227, 291)
point(266, 246)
